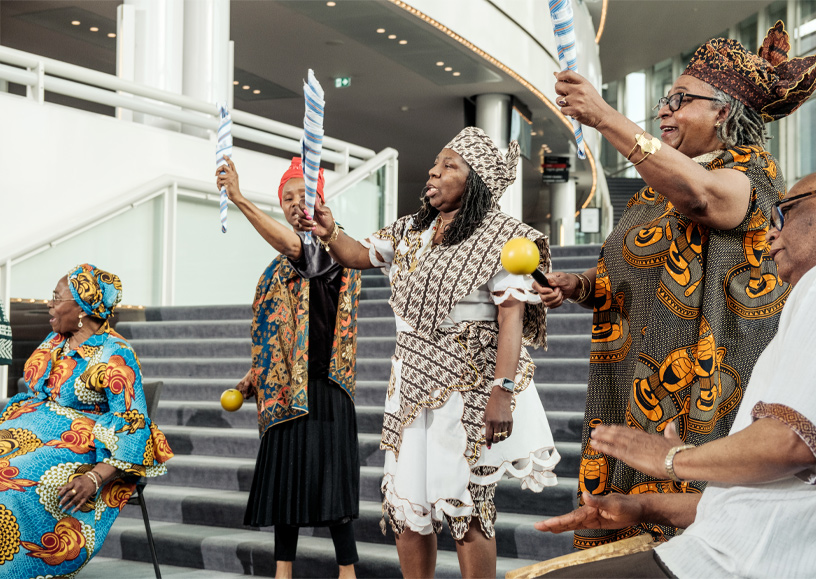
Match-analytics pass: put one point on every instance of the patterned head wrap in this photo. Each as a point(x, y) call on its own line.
point(294, 171)
point(771, 83)
point(479, 151)
point(96, 291)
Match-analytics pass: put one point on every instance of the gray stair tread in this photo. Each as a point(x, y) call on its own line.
point(108, 567)
point(233, 552)
point(515, 532)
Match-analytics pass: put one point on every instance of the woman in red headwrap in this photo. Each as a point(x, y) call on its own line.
point(304, 333)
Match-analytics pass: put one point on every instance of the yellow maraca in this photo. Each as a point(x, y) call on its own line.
point(231, 400)
point(520, 256)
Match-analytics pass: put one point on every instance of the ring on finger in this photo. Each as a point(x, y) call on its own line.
point(73, 491)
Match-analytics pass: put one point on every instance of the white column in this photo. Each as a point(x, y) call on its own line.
point(158, 50)
point(207, 53)
point(562, 222)
point(493, 117)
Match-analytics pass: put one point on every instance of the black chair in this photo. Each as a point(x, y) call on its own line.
point(152, 390)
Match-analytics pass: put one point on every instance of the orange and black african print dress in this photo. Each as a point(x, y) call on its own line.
point(681, 314)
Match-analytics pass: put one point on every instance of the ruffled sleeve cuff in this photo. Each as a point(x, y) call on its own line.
point(133, 447)
point(380, 252)
point(504, 285)
point(797, 422)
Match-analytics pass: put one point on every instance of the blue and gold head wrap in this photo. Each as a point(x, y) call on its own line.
point(96, 291)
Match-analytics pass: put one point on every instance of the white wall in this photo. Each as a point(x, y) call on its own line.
point(60, 165)
point(483, 24)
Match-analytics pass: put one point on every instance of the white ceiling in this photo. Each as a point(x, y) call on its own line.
point(398, 97)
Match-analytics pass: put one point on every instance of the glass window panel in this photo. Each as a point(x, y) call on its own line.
point(805, 121)
point(748, 33)
point(807, 26)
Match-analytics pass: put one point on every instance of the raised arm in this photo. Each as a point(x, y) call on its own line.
point(718, 199)
point(343, 248)
point(283, 239)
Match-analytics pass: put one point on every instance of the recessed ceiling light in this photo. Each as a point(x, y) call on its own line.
point(235, 82)
point(404, 108)
point(331, 3)
point(403, 42)
point(111, 35)
point(76, 22)
point(245, 87)
point(448, 69)
point(94, 29)
point(456, 73)
point(380, 30)
point(256, 91)
point(440, 63)
point(392, 36)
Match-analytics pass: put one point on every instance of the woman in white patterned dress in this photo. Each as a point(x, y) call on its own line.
point(462, 410)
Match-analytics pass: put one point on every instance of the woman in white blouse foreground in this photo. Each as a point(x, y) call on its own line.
point(461, 409)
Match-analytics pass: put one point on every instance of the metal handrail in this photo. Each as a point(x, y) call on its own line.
point(42, 73)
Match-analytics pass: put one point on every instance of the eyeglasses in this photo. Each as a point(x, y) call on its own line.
point(675, 101)
point(778, 213)
point(55, 298)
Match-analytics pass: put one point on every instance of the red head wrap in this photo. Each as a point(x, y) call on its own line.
point(294, 171)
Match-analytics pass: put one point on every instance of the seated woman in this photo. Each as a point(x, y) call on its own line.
point(72, 446)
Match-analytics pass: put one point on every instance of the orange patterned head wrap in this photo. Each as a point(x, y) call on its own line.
point(769, 83)
point(294, 171)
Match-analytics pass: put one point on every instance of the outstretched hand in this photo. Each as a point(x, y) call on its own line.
point(563, 286)
point(613, 511)
point(642, 451)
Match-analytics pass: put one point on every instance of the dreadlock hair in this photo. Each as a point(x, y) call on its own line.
point(742, 126)
point(477, 200)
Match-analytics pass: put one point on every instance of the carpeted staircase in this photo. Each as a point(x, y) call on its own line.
point(197, 509)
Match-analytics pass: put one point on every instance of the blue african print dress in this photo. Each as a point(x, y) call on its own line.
point(83, 406)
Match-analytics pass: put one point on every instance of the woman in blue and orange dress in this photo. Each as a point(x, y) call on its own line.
point(73, 445)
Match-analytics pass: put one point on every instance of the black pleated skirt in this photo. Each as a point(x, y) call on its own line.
point(308, 469)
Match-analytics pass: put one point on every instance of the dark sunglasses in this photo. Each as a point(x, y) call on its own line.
point(675, 101)
point(778, 213)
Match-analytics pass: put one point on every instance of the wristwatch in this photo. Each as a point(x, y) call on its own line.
point(505, 384)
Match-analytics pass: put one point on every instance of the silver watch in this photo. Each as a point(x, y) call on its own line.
point(505, 384)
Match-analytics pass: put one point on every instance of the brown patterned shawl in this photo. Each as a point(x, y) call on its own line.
point(437, 361)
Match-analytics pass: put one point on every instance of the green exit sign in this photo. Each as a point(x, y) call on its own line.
point(342, 82)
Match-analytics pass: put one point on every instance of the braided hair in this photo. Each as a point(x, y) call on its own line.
point(477, 200)
point(742, 126)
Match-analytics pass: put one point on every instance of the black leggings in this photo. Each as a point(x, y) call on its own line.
point(342, 534)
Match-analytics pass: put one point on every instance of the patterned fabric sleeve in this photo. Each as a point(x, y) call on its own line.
point(797, 422)
point(125, 436)
point(382, 244)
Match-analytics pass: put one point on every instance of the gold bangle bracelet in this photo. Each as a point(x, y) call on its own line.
point(332, 238)
point(636, 144)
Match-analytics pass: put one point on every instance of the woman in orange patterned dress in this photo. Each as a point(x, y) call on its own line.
point(685, 294)
point(72, 446)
